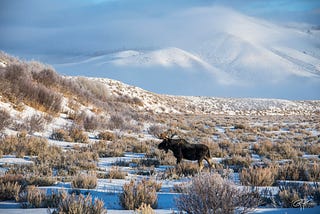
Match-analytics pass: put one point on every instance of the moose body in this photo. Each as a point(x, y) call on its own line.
point(183, 150)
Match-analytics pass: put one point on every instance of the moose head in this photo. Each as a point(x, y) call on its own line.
point(166, 140)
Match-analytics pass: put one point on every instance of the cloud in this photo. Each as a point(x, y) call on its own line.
point(54, 31)
point(89, 26)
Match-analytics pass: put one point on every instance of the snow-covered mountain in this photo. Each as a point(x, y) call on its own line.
point(219, 52)
point(167, 57)
point(252, 48)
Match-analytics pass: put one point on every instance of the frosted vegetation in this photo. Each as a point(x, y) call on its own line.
point(89, 145)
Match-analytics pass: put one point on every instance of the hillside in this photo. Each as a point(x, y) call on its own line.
point(89, 94)
point(36, 99)
point(98, 135)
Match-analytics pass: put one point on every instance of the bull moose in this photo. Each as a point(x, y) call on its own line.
point(183, 150)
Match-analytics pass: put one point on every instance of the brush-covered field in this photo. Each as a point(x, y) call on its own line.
point(88, 145)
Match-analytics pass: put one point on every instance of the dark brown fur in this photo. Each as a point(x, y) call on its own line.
point(183, 150)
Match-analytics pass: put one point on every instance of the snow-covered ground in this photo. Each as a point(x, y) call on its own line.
point(210, 105)
point(258, 113)
point(188, 49)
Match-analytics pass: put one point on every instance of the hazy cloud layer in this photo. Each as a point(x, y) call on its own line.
point(62, 31)
point(55, 27)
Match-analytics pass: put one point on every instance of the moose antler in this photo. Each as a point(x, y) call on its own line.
point(159, 132)
point(172, 133)
point(166, 135)
point(163, 135)
point(169, 134)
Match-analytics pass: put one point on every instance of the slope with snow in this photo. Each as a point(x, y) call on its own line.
point(210, 105)
point(216, 51)
point(152, 104)
point(249, 46)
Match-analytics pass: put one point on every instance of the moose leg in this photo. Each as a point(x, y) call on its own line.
point(209, 162)
point(200, 165)
point(178, 160)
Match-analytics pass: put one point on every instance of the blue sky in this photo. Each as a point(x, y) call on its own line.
point(27, 26)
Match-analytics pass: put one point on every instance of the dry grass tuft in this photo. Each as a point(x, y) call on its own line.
point(84, 181)
point(209, 193)
point(258, 176)
point(136, 193)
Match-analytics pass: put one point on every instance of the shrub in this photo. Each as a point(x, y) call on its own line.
point(316, 194)
point(9, 191)
point(35, 197)
point(136, 193)
point(209, 193)
point(83, 181)
point(116, 173)
point(72, 134)
point(156, 130)
point(287, 151)
point(116, 122)
point(21, 145)
point(140, 148)
point(14, 178)
point(257, 176)
point(148, 162)
point(180, 187)
point(114, 149)
point(100, 148)
point(292, 195)
point(105, 135)
point(35, 123)
point(313, 148)
point(129, 100)
point(47, 77)
point(288, 197)
point(144, 209)
point(97, 89)
point(237, 162)
point(90, 123)
point(74, 204)
point(21, 82)
point(216, 150)
point(225, 144)
point(313, 172)
point(298, 170)
point(184, 169)
point(68, 161)
point(50, 100)
point(60, 135)
point(5, 119)
point(77, 135)
point(21, 85)
point(137, 101)
point(240, 126)
point(263, 148)
point(164, 158)
point(40, 180)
